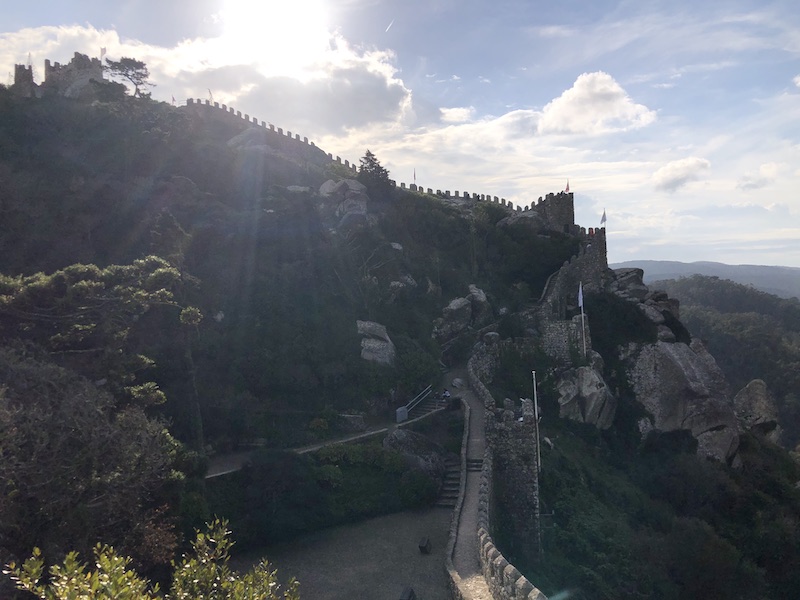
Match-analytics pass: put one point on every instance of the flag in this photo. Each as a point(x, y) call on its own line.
point(415, 175)
point(580, 295)
point(102, 52)
point(567, 188)
point(210, 95)
point(603, 218)
point(173, 100)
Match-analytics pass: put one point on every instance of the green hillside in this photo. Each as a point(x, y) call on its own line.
point(174, 285)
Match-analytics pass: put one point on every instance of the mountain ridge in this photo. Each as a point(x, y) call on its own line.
point(778, 280)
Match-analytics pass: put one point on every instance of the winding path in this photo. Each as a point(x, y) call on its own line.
point(466, 560)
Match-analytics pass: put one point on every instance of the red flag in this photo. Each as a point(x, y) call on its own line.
point(567, 188)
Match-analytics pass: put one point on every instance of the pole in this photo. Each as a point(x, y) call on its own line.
point(536, 416)
point(537, 516)
point(583, 332)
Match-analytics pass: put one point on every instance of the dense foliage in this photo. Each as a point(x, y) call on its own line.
point(282, 494)
point(205, 573)
point(75, 468)
point(751, 334)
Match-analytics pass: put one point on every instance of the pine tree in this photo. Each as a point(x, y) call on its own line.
point(374, 176)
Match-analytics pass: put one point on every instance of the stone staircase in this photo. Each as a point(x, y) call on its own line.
point(423, 408)
point(474, 464)
point(452, 481)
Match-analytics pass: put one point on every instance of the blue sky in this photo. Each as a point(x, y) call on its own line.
point(680, 119)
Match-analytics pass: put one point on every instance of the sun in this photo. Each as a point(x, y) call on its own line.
point(280, 37)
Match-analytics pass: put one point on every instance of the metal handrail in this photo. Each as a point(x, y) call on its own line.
point(419, 397)
point(403, 412)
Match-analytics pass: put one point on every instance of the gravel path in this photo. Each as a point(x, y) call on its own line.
point(370, 560)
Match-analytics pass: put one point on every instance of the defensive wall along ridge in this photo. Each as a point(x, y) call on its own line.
point(550, 205)
point(69, 79)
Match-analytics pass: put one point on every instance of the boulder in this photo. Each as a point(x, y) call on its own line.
point(682, 387)
point(348, 199)
point(481, 309)
point(456, 317)
point(376, 346)
point(461, 314)
point(419, 452)
point(585, 397)
point(756, 410)
point(630, 282)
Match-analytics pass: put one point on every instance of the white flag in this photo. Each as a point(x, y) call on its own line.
point(580, 294)
point(603, 218)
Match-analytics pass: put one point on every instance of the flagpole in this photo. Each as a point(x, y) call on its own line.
point(536, 416)
point(537, 515)
point(583, 322)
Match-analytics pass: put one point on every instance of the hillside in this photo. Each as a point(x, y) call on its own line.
point(177, 282)
point(780, 281)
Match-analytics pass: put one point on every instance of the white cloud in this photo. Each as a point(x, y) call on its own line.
point(338, 88)
point(459, 114)
point(678, 173)
point(595, 103)
point(796, 80)
point(766, 175)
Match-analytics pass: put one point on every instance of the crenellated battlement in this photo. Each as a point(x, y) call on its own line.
point(555, 210)
point(68, 80)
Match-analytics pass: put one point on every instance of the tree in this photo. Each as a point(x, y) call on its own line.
point(374, 176)
point(132, 70)
point(205, 574)
point(75, 469)
point(83, 315)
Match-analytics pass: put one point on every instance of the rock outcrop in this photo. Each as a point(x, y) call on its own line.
point(473, 311)
point(585, 397)
point(376, 346)
point(682, 387)
point(349, 198)
point(756, 410)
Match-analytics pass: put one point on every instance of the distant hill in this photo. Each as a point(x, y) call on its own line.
point(780, 281)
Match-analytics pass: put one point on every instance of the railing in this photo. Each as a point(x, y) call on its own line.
point(402, 413)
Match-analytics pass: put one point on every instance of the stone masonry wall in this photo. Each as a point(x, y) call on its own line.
point(504, 580)
point(589, 267)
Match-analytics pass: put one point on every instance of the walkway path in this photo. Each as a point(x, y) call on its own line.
point(465, 554)
point(229, 463)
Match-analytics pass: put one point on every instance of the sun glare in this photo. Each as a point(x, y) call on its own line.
point(281, 37)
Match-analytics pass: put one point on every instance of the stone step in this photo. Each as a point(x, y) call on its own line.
point(474, 464)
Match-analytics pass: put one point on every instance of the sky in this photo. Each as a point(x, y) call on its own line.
point(680, 119)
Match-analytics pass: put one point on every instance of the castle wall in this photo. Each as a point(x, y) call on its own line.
point(503, 578)
point(70, 79)
point(589, 267)
point(291, 144)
